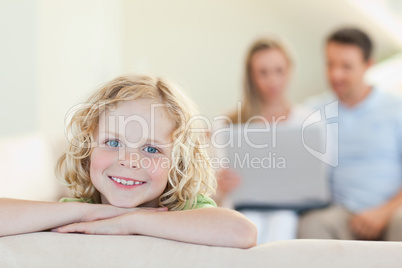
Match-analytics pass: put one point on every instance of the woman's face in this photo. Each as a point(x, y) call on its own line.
point(270, 72)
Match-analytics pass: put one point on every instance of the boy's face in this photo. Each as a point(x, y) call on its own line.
point(345, 69)
point(130, 164)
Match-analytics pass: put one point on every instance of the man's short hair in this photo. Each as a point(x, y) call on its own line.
point(353, 36)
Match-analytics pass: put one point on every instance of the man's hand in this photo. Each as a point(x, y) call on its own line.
point(371, 223)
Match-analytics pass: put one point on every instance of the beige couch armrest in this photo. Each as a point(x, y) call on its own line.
point(47, 249)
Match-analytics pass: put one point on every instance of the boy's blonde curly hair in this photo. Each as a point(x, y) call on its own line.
point(190, 173)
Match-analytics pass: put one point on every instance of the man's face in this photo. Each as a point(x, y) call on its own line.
point(345, 69)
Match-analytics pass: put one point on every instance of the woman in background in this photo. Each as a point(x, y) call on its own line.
point(268, 70)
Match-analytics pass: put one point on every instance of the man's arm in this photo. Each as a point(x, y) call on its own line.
point(206, 226)
point(371, 223)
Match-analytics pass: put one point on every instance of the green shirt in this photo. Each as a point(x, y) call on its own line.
point(202, 201)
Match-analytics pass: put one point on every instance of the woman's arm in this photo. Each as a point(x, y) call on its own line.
point(206, 226)
point(22, 216)
point(228, 181)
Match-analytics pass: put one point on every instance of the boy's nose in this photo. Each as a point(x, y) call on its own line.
point(125, 163)
point(130, 161)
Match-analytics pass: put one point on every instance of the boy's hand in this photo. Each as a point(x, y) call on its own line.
point(111, 225)
point(94, 212)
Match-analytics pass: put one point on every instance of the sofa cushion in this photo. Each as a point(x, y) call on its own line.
point(46, 249)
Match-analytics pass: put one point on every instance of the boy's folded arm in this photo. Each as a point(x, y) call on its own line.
point(23, 216)
point(207, 226)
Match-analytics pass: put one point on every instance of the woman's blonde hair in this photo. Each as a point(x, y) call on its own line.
point(190, 173)
point(251, 103)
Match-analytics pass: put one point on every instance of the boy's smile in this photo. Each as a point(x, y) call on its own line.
point(130, 164)
point(127, 182)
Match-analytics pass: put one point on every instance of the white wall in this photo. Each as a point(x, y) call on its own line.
point(17, 66)
point(53, 53)
point(79, 45)
point(202, 44)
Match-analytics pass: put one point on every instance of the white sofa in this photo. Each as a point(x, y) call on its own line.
point(31, 158)
point(48, 249)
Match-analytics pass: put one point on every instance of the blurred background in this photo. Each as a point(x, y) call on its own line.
point(53, 53)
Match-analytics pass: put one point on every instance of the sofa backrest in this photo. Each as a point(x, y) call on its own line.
point(27, 164)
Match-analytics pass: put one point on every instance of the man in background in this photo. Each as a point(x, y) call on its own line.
point(367, 183)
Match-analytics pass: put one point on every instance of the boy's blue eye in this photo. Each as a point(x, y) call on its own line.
point(151, 150)
point(113, 143)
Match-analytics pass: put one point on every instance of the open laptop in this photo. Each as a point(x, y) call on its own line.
point(277, 169)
